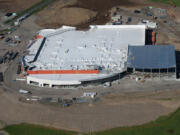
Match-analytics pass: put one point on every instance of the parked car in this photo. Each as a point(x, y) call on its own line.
point(13, 56)
point(137, 11)
point(129, 19)
point(149, 14)
point(8, 14)
point(24, 91)
point(8, 39)
point(1, 36)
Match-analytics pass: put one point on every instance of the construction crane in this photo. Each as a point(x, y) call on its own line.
point(172, 3)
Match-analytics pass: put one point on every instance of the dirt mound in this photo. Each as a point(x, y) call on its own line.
point(77, 12)
point(52, 13)
point(16, 5)
point(69, 16)
point(103, 5)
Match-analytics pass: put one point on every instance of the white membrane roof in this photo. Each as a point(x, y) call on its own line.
point(103, 47)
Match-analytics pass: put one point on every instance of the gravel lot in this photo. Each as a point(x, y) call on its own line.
point(125, 109)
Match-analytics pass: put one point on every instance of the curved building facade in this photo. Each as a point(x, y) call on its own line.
point(67, 56)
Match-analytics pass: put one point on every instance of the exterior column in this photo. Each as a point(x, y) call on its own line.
point(28, 81)
point(50, 85)
point(41, 85)
point(151, 74)
point(168, 72)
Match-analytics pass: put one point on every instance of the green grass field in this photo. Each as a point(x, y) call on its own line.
point(28, 129)
point(32, 10)
point(176, 2)
point(167, 125)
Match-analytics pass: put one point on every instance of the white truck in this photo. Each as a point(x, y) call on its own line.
point(24, 91)
point(149, 24)
point(89, 94)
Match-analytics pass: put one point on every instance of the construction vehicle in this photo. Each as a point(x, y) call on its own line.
point(21, 91)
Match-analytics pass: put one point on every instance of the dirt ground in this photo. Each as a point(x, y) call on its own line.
point(3, 133)
point(169, 34)
point(55, 12)
point(70, 16)
point(16, 5)
point(123, 109)
point(51, 16)
point(92, 6)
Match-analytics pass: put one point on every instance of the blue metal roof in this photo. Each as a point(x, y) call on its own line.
point(151, 57)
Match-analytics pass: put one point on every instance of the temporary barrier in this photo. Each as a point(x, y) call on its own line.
point(63, 72)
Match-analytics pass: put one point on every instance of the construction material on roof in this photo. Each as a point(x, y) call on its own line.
point(70, 56)
point(151, 57)
point(100, 47)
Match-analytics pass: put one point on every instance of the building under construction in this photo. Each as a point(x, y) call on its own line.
point(67, 56)
point(152, 61)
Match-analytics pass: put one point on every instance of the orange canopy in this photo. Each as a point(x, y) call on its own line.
point(63, 72)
